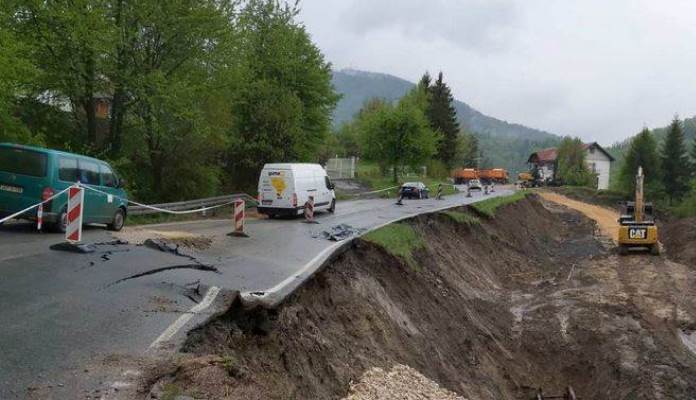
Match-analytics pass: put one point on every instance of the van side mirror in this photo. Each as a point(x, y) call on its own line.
point(122, 183)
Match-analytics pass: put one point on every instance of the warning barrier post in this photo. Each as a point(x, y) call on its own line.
point(309, 211)
point(239, 217)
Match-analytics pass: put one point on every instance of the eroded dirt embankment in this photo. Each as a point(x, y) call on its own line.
point(493, 310)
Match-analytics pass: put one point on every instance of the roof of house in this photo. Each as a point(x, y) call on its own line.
point(545, 155)
point(549, 155)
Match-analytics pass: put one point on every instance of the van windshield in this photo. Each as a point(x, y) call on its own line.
point(22, 162)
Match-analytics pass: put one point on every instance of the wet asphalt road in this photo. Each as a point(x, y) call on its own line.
point(69, 330)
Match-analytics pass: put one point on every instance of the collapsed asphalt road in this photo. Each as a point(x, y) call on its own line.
point(75, 327)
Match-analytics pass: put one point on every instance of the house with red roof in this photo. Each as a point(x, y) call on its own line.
point(597, 159)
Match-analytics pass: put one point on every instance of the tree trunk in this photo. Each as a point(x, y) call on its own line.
point(118, 103)
point(90, 112)
point(88, 101)
point(116, 123)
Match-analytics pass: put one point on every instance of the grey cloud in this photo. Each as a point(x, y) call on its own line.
point(479, 25)
point(594, 68)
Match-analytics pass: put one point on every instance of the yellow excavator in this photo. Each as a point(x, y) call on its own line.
point(637, 223)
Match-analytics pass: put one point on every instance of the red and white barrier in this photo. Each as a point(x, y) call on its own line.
point(73, 230)
point(239, 208)
point(309, 211)
point(39, 217)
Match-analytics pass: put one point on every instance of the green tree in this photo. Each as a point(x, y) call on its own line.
point(675, 162)
point(693, 158)
point(287, 102)
point(68, 41)
point(570, 164)
point(467, 151)
point(642, 152)
point(398, 136)
point(443, 118)
point(174, 59)
point(16, 74)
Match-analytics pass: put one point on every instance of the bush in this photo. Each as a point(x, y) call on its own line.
point(437, 169)
point(687, 207)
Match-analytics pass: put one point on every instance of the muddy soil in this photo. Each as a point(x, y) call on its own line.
point(531, 299)
point(679, 237)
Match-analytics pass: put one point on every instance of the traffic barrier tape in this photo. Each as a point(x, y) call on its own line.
point(162, 210)
point(17, 214)
point(374, 191)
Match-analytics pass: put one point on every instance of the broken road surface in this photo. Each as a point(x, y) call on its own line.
point(71, 331)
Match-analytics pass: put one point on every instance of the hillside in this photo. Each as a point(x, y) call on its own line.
point(356, 87)
point(504, 144)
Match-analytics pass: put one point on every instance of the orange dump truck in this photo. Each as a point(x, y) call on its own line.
point(497, 175)
point(464, 175)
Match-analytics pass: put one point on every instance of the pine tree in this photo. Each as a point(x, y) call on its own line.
point(443, 119)
point(467, 151)
point(675, 162)
point(693, 159)
point(642, 152)
point(425, 81)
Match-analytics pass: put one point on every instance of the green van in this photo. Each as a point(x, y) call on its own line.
point(29, 175)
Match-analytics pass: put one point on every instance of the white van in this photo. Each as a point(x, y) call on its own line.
point(285, 188)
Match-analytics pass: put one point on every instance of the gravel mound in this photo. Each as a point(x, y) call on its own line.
point(401, 383)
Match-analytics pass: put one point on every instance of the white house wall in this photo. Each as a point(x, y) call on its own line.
point(599, 163)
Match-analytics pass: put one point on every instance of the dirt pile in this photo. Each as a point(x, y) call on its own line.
point(491, 310)
point(679, 237)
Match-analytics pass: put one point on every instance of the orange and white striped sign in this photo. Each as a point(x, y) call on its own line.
point(73, 230)
point(39, 217)
point(309, 210)
point(239, 207)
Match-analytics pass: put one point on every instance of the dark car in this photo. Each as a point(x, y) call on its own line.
point(414, 190)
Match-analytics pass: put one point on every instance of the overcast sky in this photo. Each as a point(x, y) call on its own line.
point(598, 69)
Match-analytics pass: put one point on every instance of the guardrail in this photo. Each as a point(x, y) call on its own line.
point(191, 204)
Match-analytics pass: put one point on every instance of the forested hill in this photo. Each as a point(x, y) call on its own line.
point(504, 144)
point(358, 86)
point(689, 126)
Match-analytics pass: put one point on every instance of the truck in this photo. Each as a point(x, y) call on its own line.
point(497, 175)
point(464, 175)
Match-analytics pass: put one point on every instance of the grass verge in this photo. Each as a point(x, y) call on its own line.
point(370, 175)
point(462, 217)
point(488, 207)
point(399, 240)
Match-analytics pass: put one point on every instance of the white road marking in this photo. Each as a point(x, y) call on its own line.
point(184, 319)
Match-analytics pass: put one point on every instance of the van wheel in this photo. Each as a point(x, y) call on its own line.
point(332, 209)
point(61, 224)
point(118, 221)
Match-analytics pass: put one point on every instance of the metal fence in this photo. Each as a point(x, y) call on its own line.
point(191, 204)
point(341, 168)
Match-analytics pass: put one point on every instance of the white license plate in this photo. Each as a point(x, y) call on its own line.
point(13, 189)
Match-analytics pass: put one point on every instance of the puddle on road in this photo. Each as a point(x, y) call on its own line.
point(689, 340)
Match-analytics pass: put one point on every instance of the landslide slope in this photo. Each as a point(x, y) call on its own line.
point(489, 308)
